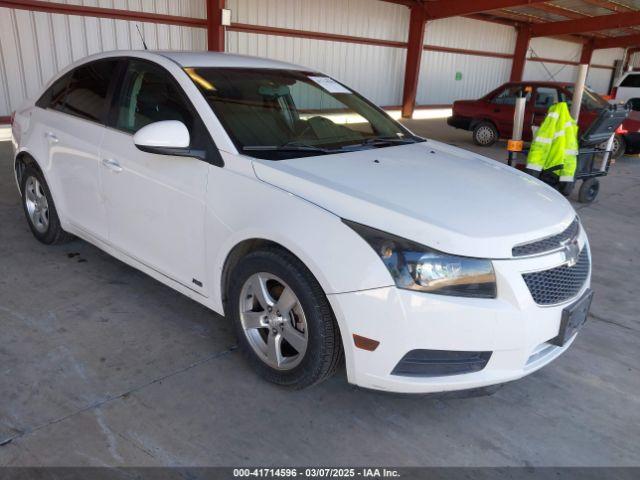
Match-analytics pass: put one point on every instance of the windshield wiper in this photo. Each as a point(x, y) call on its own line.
point(289, 146)
point(386, 141)
point(390, 140)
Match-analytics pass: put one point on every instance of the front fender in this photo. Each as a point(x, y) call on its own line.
point(244, 208)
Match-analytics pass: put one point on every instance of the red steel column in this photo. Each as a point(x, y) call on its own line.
point(520, 53)
point(415, 46)
point(587, 52)
point(215, 29)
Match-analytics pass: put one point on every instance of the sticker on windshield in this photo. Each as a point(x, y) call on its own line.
point(329, 84)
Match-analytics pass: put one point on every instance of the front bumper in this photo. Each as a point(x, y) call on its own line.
point(512, 327)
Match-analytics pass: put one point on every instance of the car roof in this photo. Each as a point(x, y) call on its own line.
point(202, 59)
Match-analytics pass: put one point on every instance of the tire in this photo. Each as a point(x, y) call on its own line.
point(309, 324)
point(589, 190)
point(619, 147)
point(39, 208)
point(485, 134)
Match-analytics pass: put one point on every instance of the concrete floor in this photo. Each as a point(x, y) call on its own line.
point(101, 365)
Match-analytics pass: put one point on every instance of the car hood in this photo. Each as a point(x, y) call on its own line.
point(432, 193)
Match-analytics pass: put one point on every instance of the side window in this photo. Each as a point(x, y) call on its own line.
point(545, 97)
point(55, 94)
point(508, 95)
point(148, 95)
point(631, 80)
point(87, 92)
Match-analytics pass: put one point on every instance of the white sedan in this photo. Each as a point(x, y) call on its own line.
point(319, 226)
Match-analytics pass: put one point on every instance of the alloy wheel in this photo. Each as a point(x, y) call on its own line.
point(273, 321)
point(37, 204)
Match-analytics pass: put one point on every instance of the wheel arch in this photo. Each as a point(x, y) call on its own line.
point(22, 160)
point(242, 249)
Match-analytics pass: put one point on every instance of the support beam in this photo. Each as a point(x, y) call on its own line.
point(617, 42)
point(415, 47)
point(215, 29)
point(520, 53)
point(591, 24)
point(99, 12)
point(587, 52)
point(449, 8)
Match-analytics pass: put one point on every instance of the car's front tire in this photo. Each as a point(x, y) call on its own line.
point(283, 320)
point(39, 208)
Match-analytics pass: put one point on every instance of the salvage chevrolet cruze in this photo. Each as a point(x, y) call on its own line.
point(321, 227)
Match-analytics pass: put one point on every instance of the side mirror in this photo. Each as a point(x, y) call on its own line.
point(168, 137)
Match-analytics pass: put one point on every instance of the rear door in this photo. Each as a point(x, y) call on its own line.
point(544, 97)
point(73, 127)
point(156, 203)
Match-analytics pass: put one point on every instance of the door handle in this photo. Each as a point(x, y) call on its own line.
point(111, 164)
point(51, 137)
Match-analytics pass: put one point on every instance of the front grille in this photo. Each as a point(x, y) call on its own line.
point(559, 284)
point(547, 244)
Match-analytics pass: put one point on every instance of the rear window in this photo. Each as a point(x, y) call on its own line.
point(87, 92)
point(632, 80)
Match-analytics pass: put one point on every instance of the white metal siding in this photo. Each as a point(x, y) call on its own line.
point(555, 49)
point(480, 75)
point(469, 34)
point(607, 56)
point(599, 79)
point(545, 71)
point(36, 45)
point(376, 72)
point(359, 18)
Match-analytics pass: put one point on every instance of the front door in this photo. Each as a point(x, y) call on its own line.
point(155, 203)
point(502, 109)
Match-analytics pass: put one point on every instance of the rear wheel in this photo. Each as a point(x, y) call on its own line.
point(283, 321)
point(485, 134)
point(39, 208)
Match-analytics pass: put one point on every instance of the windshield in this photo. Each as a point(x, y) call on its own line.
point(281, 114)
point(590, 99)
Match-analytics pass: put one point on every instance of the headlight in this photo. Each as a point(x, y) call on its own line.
point(416, 267)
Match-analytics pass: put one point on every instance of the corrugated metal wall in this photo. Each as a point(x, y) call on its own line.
point(35, 45)
point(599, 79)
point(359, 18)
point(553, 49)
point(375, 71)
point(477, 74)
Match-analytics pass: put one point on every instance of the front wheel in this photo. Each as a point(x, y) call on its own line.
point(283, 321)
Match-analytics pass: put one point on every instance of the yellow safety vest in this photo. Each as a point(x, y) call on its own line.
point(539, 150)
point(555, 146)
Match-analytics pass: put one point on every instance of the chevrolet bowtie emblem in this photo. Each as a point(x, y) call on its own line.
point(571, 252)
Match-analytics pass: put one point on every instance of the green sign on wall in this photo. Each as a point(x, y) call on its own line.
point(458, 75)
